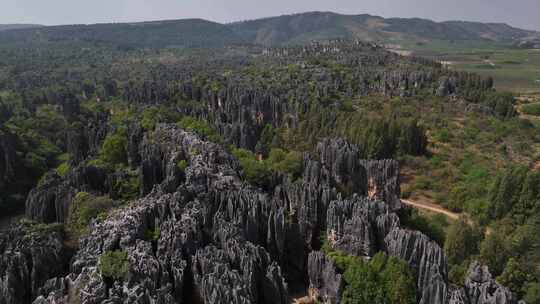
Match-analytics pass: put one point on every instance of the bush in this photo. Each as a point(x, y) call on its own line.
point(63, 169)
point(153, 115)
point(461, 242)
point(442, 135)
point(531, 109)
point(114, 264)
point(458, 272)
point(182, 164)
point(152, 234)
point(255, 171)
point(285, 162)
point(83, 209)
point(494, 252)
point(513, 276)
point(114, 149)
point(506, 191)
point(127, 188)
point(532, 293)
point(432, 227)
point(382, 280)
point(201, 127)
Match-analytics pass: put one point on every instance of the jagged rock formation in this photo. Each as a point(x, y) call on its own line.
point(49, 202)
point(358, 226)
point(426, 257)
point(204, 249)
point(222, 241)
point(481, 288)
point(325, 282)
point(84, 140)
point(30, 255)
point(383, 181)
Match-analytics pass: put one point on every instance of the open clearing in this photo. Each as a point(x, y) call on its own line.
point(513, 69)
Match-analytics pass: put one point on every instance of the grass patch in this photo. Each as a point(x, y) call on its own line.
point(83, 209)
point(531, 109)
point(114, 264)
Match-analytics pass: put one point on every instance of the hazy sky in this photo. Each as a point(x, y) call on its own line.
point(520, 13)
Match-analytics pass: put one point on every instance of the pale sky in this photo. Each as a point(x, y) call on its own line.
point(519, 13)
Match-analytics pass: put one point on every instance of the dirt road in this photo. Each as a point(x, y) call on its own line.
point(438, 209)
point(432, 208)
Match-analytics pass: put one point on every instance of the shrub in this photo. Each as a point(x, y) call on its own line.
point(114, 264)
point(442, 135)
point(200, 127)
point(532, 293)
point(494, 252)
point(255, 171)
point(382, 280)
point(423, 183)
point(63, 169)
point(127, 188)
point(513, 276)
point(83, 209)
point(149, 118)
point(154, 115)
point(182, 164)
point(457, 273)
point(285, 162)
point(432, 227)
point(531, 109)
point(505, 193)
point(114, 149)
point(461, 241)
point(152, 234)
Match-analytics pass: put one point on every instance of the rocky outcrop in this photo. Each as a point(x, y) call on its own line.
point(86, 139)
point(447, 86)
point(326, 284)
point(49, 202)
point(30, 254)
point(359, 225)
point(383, 181)
point(426, 257)
point(481, 288)
point(202, 235)
point(342, 163)
point(206, 248)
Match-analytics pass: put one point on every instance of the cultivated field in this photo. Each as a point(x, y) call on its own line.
point(513, 69)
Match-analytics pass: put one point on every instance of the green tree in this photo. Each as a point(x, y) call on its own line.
point(494, 251)
point(532, 293)
point(461, 241)
point(513, 276)
point(382, 280)
point(114, 149)
point(506, 191)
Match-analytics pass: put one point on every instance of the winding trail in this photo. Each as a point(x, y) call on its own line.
point(438, 209)
point(432, 208)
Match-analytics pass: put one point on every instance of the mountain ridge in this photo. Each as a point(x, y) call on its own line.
point(15, 26)
point(291, 29)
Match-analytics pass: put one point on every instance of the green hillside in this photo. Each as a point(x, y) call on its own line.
point(301, 28)
point(175, 33)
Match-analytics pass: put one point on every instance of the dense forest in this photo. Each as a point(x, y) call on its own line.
point(170, 175)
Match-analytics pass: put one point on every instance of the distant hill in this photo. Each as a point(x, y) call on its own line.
point(281, 30)
point(5, 27)
point(300, 28)
point(170, 33)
